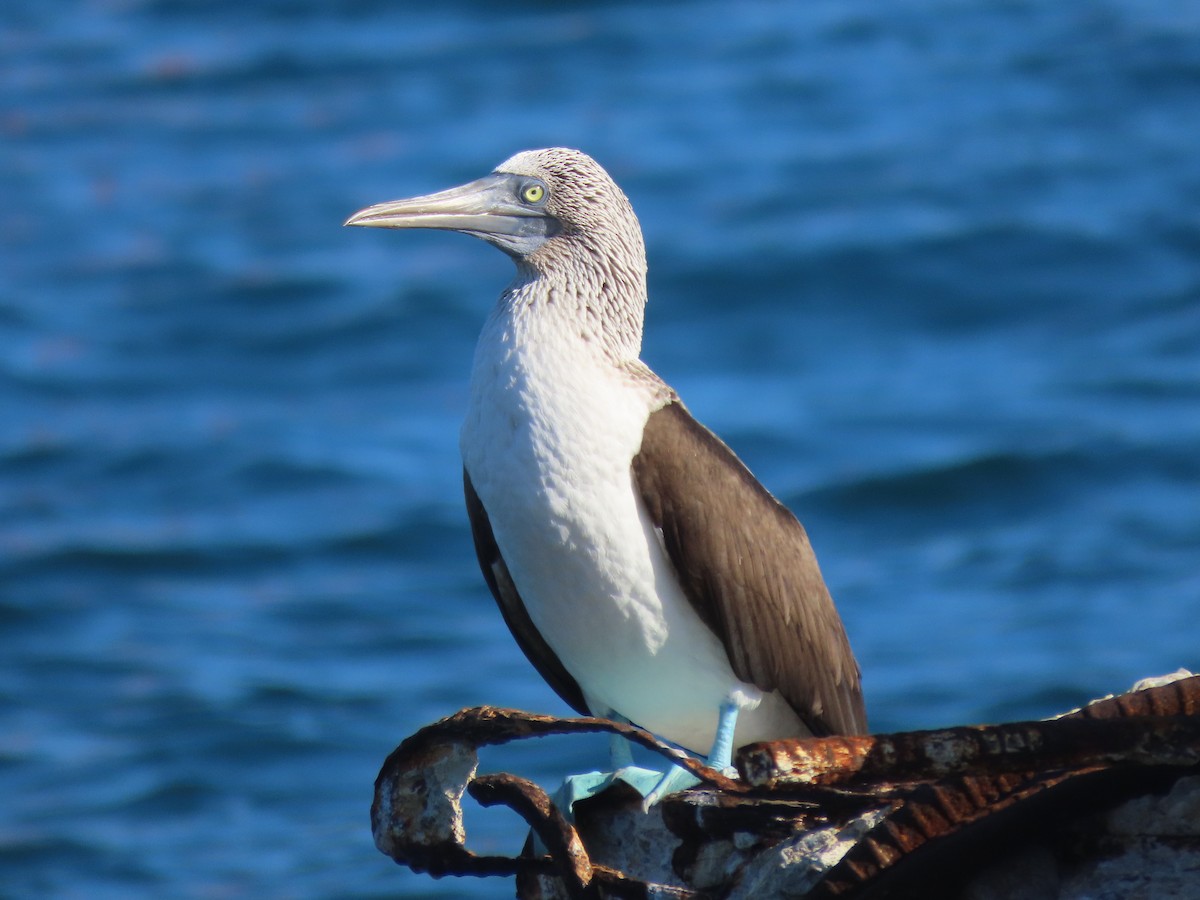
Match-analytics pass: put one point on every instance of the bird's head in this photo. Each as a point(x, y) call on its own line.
point(538, 206)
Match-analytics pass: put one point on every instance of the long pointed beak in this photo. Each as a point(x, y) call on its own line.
point(485, 207)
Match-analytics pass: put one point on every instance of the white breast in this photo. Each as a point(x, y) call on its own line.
point(550, 433)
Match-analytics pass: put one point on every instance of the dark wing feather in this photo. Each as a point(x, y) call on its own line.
point(746, 565)
point(516, 617)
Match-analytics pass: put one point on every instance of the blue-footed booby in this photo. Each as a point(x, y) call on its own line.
point(641, 567)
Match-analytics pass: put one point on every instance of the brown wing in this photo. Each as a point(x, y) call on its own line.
point(512, 607)
point(745, 564)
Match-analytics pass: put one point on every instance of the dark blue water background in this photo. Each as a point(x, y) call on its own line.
point(932, 268)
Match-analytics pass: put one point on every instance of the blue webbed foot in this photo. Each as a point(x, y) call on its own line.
point(589, 784)
point(651, 784)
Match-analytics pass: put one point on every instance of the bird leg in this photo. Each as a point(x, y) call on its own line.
point(620, 756)
point(721, 754)
point(678, 778)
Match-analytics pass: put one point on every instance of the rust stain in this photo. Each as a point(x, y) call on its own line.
point(1155, 726)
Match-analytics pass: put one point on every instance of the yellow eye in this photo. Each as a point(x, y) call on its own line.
point(533, 193)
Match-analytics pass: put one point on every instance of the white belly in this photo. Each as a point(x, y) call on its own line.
point(548, 442)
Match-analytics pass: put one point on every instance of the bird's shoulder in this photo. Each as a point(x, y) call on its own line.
point(646, 381)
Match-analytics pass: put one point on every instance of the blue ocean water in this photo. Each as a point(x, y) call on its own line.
point(931, 268)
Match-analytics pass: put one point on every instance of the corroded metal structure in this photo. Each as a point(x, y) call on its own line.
point(910, 814)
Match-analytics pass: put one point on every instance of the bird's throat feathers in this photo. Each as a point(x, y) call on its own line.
point(588, 298)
